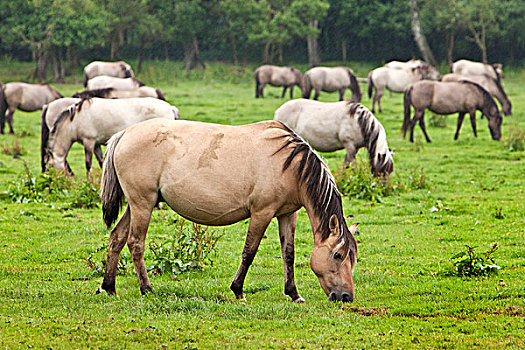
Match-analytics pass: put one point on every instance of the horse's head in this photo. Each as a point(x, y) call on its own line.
point(495, 121)
point(126, 68)
point(332, 265)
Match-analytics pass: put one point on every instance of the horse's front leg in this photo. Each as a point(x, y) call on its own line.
point(350, 154)
point(461, 115)
point(259, 221)
point(473, 122)
point(89, 148)
point(99, 155)
point(342, 94)
point(291, 91)
point(287, 235)
point(317, 92)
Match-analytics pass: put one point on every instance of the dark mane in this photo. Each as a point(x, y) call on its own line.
point(86, 94)
point(371, 132)
point(320, 188)
point(68, 113)
point(137, 81)
point(487, 98)
point(498, 77)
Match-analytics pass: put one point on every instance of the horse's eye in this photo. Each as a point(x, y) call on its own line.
point(337, 256)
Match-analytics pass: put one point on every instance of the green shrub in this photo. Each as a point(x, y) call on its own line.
point(14, 149)
point(515, 139)
point(471, 263)
point(190, 247)
point(437, 120)
point(98, 258)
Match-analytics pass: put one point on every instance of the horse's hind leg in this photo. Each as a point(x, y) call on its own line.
point(284, 91)
point(259, 221)
point(287, 235)
point(422, 126)
point(89, 148)
point(417, 115)
point(117, 240)
point(9, 119)
point(461, 115)
point(140, 217)
point(473, 122)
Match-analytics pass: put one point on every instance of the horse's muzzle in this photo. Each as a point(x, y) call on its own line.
point(344, 297)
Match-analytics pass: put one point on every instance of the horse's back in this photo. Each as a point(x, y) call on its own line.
point(28, 97)
point(209, 173)
point(471, 68)
point(329, 79)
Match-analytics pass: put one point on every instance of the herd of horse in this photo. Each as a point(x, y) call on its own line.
point(217, 175)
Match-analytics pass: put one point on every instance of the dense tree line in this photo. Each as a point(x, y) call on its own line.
point(61, 33)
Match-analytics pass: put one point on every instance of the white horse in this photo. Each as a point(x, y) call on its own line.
point(493, 86)
point(92, 122)
point(331, 79)
point(143, 91)
point(470, 68)
point(118, 69)
point(393, 79)
point(50, 114)
point(104, 82)
point(329, 127)
point(402, 65)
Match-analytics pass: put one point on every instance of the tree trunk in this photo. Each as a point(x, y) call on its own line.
point(191, 55)
point(313, 48)
point(266, 53)
point(450, 47)
point(40, 73)
point(141, 59)
point(419, 36)
point(343, 50)
point(234, 52)
point(280, 52)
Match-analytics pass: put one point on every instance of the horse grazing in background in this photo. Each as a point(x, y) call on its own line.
point(329, 127)
point(143, 91)
point(393, 79)
point(331, 79)
point(287, 77)
point(25, 97)
point(493, 86)
point(447, 98)
point(403, 65)
point(50, 114)
point(92, 122)
point(104, 82)
point(470, 68)
point(217, 175)
point(118, 69)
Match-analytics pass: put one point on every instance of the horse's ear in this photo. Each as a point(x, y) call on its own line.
point(333, 224)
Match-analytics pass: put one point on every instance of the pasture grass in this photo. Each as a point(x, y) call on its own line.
point(473, 195)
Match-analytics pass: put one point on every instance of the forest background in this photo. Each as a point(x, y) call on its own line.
point(62, 35)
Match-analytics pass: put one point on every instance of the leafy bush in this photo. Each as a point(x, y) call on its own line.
point(189, 248)
point(14, 149)
point(515, 139)
point(98, 259)
point(52, 186)
point(471, 263)
point(359, 182)
point(437, 120)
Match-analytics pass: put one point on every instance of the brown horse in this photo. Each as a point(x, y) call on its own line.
point(447, 98)
point(493, 86)
point(25, 97)
point(118, 69)
point(218, 175)
point(277, 76)
point(143, 91)
point(331, 79)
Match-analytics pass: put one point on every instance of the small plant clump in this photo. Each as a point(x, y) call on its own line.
point(14, 149)
point(437, 120)
point(98, 258)
point(190, 247)
point(469, 263)
point(515, 139)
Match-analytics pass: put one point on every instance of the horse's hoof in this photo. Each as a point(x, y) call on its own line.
point(299, 300)
point(146, 290)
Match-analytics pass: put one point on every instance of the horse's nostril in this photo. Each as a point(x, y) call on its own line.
point(332, 297)
point(347, 298)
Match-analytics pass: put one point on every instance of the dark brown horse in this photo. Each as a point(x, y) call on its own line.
point(277, 76)
point(25, 97)
point(447, 98)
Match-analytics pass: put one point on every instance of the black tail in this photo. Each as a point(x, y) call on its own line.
point(85, 79)
point(370, 85)
point(3, 107)
point(257, 84)
point(354, 86)
point(160, 95)
point(307, 86)
point(44, 137)
point(406, 104)
point(110, 189)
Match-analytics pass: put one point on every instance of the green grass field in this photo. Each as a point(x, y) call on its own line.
point(475, 196)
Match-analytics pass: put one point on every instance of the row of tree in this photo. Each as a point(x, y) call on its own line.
point(61, 33)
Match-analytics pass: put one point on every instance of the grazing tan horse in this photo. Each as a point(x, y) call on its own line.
point(287, 77)
point(50, 114)
point(470, 68)
point(25, 97)
point(143, 91)
point(118, 69)
point(447, 98)
point(104, 82)
point(493, 86)
point(92, 122)
point(218, 175)
point(331, 126)
point(331, 79)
